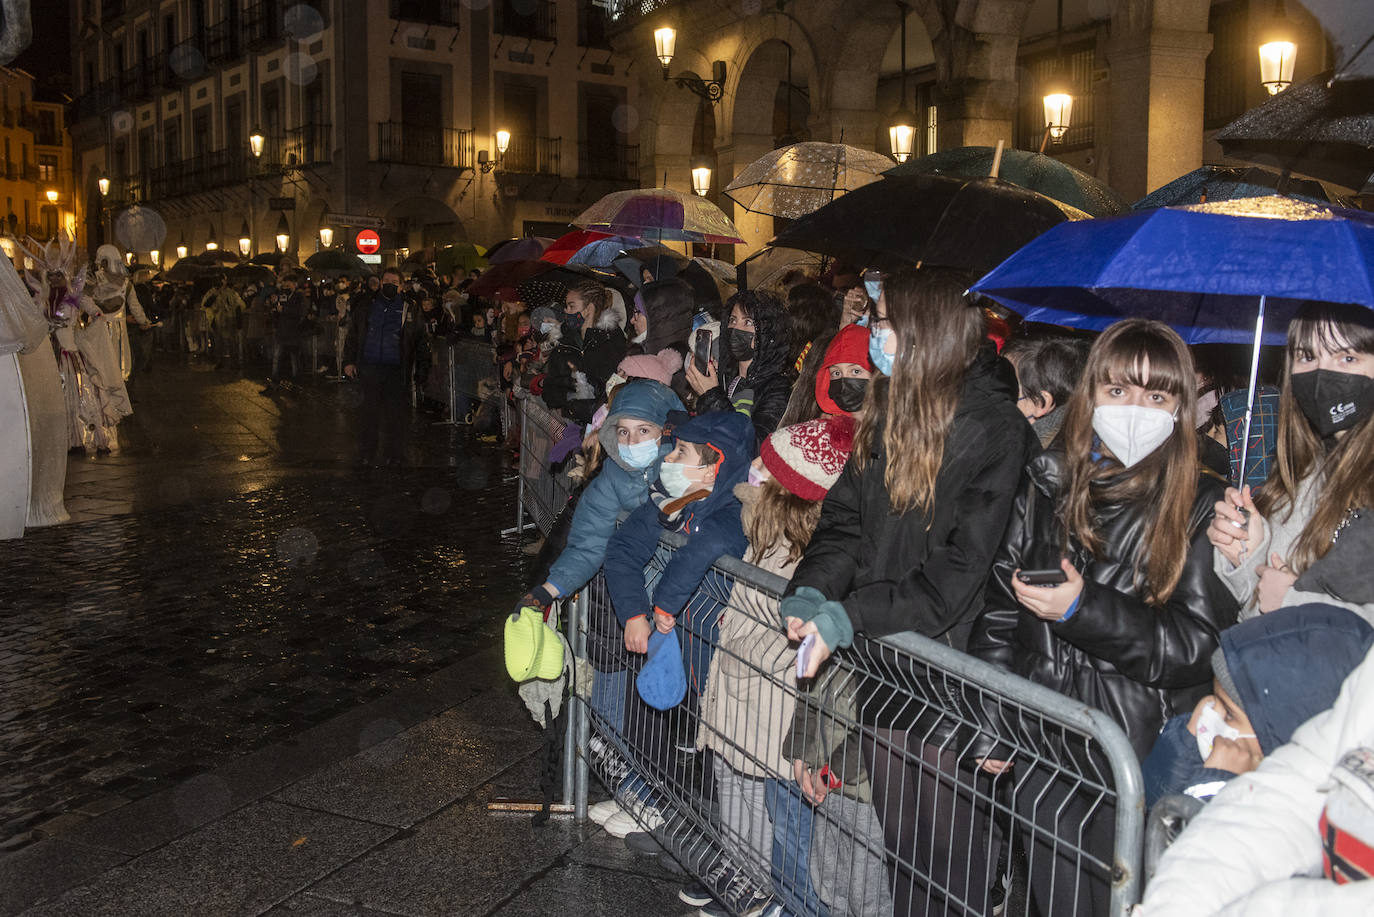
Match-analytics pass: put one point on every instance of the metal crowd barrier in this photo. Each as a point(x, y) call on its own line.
point(895, 731)
point(459, 368)
point(541, 494)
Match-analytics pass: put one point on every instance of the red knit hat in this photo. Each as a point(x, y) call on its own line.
point(807, 458)
point(849, 345)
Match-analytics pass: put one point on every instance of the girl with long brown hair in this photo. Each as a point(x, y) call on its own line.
point(1117, 511)
point(905, 542)
point(1323, 481)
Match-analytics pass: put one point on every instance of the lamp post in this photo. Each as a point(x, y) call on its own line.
point(901, 134)
point(182, 248)
point(245, 240)
point(283, 233)
point(256, 141)
point(155, 256)
point(326, 237)
point(1277, 52)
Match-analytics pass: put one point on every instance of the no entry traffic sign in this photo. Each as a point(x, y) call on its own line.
point(368, 241)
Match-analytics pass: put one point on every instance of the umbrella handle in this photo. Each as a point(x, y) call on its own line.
point(1250, 397)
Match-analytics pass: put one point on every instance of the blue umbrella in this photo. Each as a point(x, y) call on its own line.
point(1214, 272)
point(602, 253)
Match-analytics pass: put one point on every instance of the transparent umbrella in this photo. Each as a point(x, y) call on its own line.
point(801, 178)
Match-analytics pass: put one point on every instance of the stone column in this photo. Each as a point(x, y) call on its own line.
point(755, 229)
point(1156, 102)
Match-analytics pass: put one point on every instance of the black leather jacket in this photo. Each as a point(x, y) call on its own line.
point(1138, 663)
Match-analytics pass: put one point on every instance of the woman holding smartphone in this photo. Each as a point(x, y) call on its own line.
point(1117, 512)
point(904, 544)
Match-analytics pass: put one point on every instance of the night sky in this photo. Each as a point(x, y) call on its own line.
point(49, 57)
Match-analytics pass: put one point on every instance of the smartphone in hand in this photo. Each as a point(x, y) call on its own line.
point(1051, 577)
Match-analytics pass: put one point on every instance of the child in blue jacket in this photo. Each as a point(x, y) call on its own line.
point(694, 497)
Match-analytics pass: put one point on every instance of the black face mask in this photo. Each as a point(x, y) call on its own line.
point(1333, 401)
point(848, 393)
point(573, 320)
point(741, 344)
point(389, 290)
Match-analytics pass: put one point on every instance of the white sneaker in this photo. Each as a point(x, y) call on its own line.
point(602, 811)
point(622, 823)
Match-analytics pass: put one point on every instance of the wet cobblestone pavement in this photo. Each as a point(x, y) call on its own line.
point(229, 580)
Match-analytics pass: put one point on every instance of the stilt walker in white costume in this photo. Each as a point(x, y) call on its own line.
point(56, 282)
point(113, 289)
point(103, 342)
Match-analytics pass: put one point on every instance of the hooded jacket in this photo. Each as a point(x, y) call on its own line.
point(762, 395)
point(849, 345)
point(712, 526)
point(668, 308)
point(1138, 663)
point(593, 353)
point(616, 489)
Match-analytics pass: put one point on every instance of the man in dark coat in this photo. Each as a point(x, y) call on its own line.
point(378, 353)
point(292, 311)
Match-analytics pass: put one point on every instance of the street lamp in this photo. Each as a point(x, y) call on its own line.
point(182, 248)
point(255, 143)
point(326, 237)
point(502, 142)
point(701, 178)
point(245, 240)
point(103, 183)
point(665, 47)
point(902, 133)
point(211, 243)
point(1058, 99)
point(155, 257)
point(52, 196)
point(1277, 52)
point(283, 233)
point(129, 258)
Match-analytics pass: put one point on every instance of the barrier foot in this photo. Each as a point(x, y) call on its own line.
point(502, 804)
point(517, 529)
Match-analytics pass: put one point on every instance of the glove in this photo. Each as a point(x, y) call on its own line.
point(832, 621)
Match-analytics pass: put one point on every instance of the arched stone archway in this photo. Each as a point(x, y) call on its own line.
point(418, 221)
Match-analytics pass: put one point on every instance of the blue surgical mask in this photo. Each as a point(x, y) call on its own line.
point(863, 321)
point(673, 477)
point(874, 289)
point(639, 455)
point(877, 337)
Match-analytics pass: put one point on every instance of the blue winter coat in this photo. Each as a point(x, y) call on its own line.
point(712, 526)
point(616, 489)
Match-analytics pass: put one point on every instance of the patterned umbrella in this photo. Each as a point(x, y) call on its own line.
point(660, 215)
point(1035, 171)
point(801, 178)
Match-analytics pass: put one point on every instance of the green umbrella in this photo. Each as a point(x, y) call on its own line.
point(467, 255)
point(1034, 171)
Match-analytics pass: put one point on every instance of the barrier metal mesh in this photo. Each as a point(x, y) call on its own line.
point(543, 494)
point(896, 816)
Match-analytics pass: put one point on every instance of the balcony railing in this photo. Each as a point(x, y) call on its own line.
point(532, 155)
point(307, 145)
point(263, 22)
point(430, 12)
point(541, 22)
point(622, 14)
point(592, 26)
point(619, 163)
point(424, 145)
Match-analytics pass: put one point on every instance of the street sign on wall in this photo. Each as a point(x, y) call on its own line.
point(368, 241)
point(281, 203)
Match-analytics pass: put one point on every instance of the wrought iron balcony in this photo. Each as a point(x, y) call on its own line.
point(617, 163)
point(532, 155)
point(430, 12)
point(511, 18)
point(424, 145)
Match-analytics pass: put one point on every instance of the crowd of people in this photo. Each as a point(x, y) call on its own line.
point(1070, 508)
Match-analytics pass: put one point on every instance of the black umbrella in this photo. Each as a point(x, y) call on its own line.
point(1315, 127)
point(334, 262)
point(936, 220)
point(216, 259)
point(1350, 26)
point(251, 273)
point(274, 260)
point(187, 271)
point(1227, 183)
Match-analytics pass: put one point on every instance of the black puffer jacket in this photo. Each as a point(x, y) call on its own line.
point(918, 571)
point(762, 394)
point(1138, 663)
point(668, 307)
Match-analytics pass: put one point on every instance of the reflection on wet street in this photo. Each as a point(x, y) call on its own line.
point(230, 579)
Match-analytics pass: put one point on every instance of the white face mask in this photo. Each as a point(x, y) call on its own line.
point(673, 477)
point(1130, 431)
point(1212, 726)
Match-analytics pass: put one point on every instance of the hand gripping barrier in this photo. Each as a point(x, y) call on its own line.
point(859, 792)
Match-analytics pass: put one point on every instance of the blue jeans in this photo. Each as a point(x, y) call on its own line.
point(792, 817)
point(608, 703)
